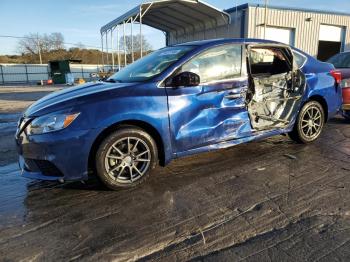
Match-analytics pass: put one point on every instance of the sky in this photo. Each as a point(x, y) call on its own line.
point(80, 20)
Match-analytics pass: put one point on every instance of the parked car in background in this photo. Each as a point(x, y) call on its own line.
point(342, 63)
point(179, 100)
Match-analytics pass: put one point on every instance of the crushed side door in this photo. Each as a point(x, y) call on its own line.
point(215, 111)
point(276, 87)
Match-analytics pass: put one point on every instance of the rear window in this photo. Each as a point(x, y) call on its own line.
point(341, 60)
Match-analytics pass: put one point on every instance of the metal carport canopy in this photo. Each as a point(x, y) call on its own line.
point(182, 17)
point(173, 15)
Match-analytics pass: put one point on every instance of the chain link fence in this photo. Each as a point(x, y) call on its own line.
point(34, 73)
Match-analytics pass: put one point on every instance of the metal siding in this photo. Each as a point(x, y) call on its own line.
point(306, 33)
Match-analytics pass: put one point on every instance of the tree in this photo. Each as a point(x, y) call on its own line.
point(135, 46)
point(32, 43)
point(57, 41)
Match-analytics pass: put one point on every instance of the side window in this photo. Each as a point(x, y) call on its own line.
point(299, 59)
point(268, 61)
point(219, 63)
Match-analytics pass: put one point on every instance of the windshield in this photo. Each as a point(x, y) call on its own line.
point(151, 65)
point(341, 60)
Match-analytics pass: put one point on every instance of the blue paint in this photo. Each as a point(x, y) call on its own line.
point(188, 120)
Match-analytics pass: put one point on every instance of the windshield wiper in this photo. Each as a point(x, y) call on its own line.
point(111, 80)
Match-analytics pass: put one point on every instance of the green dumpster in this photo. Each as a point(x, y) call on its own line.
point(59, 69)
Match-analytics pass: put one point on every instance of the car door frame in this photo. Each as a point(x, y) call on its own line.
point(294, 69)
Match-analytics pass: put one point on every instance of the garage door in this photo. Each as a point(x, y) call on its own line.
point(279, 34)
point(330, 41)
point(331, 33)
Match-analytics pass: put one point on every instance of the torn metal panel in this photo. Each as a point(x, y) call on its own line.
point(275, 101)
point(276, 87)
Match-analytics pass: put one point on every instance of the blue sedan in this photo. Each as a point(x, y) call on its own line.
point(179, 100)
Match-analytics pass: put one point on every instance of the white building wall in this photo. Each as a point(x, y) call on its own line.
point(306, 25)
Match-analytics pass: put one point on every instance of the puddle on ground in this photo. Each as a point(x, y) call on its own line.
point(8, 122)
point(10, 117)
point(13, 191)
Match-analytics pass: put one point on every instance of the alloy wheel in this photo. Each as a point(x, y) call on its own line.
point(312, 122)
point(127, 160)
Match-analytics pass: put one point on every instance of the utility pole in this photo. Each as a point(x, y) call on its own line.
point(265, 22)
point(39, 51)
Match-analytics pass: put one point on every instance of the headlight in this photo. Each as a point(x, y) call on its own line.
point(345, 83)
point(50, 123)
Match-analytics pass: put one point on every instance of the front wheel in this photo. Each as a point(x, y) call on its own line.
point(309, 124)
point(126, 157)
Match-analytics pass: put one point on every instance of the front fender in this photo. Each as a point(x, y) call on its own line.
point(149, 109)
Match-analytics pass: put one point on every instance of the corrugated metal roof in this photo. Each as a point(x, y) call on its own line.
point(171, 15)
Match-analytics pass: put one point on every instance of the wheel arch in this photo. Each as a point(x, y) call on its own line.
point(151, 130)
point(323, 103)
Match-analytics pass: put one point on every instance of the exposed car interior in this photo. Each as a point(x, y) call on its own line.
point(276, 86)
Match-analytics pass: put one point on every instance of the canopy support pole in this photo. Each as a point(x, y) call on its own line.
point(118, 47)
point(141, 51)
point(132, 41)
point(124, 40)
point(107, 59)
point(103, 62)
point(141, 38)
point(112, 46)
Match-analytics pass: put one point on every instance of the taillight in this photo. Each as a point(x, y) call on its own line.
point(337, 76)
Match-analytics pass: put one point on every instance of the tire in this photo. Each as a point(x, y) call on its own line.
point(126, 157)
point(346, 115)
point(309, 124)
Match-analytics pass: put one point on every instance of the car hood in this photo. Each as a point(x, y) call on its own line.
point(70, 96)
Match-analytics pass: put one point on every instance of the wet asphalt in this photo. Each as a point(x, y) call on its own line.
point(272, 200)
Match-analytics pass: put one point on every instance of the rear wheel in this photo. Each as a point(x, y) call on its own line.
point(309, 124)
point(126, 157)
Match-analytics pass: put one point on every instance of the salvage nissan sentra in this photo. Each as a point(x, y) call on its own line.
point(177, 101)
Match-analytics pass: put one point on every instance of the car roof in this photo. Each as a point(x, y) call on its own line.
point(229, 40)
point(213, 42)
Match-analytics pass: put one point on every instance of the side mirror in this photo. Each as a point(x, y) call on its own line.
point(185, 79)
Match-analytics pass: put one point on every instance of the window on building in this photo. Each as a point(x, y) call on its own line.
point(281, 34)
point(216, 64)
point(331, 41)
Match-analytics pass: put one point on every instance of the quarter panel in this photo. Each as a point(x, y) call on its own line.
point(321, 83)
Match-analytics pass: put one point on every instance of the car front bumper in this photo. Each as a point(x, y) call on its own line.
point(61, 155)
